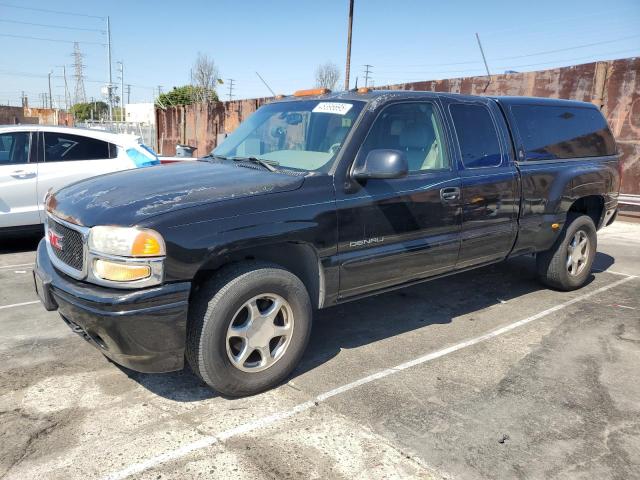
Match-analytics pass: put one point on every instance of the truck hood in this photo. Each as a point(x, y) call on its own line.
point(129, 197)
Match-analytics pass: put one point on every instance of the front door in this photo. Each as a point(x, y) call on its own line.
point(396, 231)
point(18, 176)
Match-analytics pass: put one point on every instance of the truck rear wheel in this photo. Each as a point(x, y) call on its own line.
point(248, 328)
point(567, 265)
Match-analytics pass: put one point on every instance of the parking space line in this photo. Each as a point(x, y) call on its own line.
point(18, 265)
point(207, 441)
point(614, 273)
point(2, 307)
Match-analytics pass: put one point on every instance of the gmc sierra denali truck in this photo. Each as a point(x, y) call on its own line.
point(314, 200)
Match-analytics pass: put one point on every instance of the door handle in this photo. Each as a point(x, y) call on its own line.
point(449, 194)
point(22, 174)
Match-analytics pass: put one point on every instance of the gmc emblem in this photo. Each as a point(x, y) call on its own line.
point(55, 240)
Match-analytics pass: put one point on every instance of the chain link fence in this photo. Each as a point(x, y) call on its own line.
point(146, 131)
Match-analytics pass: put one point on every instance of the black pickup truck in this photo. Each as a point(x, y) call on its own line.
point(318, 199)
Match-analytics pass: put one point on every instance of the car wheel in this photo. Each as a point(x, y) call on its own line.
point(248, 328)
point(567, 265)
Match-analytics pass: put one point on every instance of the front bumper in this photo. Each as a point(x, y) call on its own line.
point(144, 330)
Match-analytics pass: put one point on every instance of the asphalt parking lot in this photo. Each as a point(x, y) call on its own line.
point(481, 375)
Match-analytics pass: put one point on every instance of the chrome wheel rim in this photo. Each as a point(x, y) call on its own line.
point(578, 253)
point(260, 333)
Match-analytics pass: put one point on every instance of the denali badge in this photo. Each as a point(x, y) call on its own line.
point(366, 241)
point(55, 240)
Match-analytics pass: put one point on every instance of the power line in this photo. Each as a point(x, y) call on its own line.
point(562, 63)
point(65, 27)
point(59, 12)
point(568, 48)
point(566, 61)
point(48, 39)
point(475, 62)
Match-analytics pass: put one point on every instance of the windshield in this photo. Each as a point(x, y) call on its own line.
point(302, 135)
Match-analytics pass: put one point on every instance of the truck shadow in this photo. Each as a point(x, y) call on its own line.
point(369, 320)
point(20, 242)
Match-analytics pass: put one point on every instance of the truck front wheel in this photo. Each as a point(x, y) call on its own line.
point(567, 265)
point(248, 328)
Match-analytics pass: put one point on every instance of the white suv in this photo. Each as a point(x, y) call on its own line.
point(36, 158)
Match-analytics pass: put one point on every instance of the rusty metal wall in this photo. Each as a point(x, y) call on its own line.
point(622, 108)
point(199, 125)
point(613, 85)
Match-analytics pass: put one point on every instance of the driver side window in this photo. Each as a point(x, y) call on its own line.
point(412, 128)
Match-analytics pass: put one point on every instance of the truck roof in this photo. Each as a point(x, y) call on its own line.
point(383, 95)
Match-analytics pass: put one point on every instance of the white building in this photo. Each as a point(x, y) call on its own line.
point(140, 113)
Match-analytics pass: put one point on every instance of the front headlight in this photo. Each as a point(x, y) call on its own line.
point(126, 257)
point(126, 242)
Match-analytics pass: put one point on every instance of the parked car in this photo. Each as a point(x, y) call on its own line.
point(37, 158)
point(317, 200)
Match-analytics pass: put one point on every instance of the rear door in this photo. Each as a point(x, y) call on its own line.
point(67, 158)
point(490, 185)
point(401, 230)
point(18, 174)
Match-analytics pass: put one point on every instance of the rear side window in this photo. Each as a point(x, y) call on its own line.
point(552, 132)
point(61, 147)
point(477, 135)
point(14, 148)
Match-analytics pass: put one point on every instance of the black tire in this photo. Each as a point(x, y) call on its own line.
point(211, 311)
point(552, 264)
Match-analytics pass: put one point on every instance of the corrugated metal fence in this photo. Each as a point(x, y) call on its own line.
point(613, 85)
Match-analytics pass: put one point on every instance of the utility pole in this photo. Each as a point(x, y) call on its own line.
point(121, 65)
point(128, 93)
point(43, 96)
point(230, 80)
point(367, 71)
point(348, 67)
point(109, 86)
point(485, 62)
point(50, 100)
point(66, 88)
point(266, 84)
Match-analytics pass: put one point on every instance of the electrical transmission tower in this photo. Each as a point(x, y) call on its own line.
point(80, 96)
point(367, 71)
point(230, 80)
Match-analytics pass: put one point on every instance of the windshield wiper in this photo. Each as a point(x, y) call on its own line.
point(269, 165)
point(216, 157)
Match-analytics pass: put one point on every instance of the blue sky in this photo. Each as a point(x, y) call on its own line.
point(284, 40)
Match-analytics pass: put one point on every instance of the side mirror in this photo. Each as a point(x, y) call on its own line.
point(382, 163)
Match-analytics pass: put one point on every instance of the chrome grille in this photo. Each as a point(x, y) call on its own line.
point(72, 251)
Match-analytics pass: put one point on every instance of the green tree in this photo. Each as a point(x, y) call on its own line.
point(186, 95)
point(82, 111)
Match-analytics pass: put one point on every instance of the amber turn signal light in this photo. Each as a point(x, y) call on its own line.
point(312, 91)
point(120, 272)
point(146, 245)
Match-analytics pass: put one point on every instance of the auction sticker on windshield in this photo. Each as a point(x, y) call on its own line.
point(332, 107)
